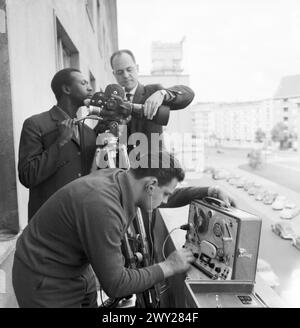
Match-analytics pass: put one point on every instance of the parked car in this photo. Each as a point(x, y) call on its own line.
point(279, 203)
point(269, 198)
point(266, 272)
point(283, 229)
point(233, 181)
point(296, 242)
point(240, 183)
point(254, 190)
point(288, 213)
point(220, 174)
point(233, 176)
point(248, 185)
point(260, 194)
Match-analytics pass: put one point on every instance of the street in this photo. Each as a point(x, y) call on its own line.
point(279, 253)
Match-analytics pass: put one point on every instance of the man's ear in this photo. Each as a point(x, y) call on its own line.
point(66, 89)
point(151, 184)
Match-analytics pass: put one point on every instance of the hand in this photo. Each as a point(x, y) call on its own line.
point(65, 131)
point(217, 192)
point(122, 110)
point(152, 104)
point(177, 262)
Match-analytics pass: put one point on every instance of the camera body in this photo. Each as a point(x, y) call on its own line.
point(101, 100)
point(114, 108)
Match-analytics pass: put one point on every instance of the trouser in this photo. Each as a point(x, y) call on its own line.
point(37, 290)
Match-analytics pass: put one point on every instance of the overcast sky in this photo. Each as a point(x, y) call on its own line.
point(234, 49)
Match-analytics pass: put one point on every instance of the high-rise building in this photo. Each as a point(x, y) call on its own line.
point(167, 70)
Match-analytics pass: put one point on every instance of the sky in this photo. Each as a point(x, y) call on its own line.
point(234, 50)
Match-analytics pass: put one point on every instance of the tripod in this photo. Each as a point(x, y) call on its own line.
point(115, 155)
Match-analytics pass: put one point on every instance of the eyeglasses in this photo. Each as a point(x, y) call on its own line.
point(129, 69)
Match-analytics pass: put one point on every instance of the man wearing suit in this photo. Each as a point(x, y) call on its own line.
point(152, 96)
point(50, 151)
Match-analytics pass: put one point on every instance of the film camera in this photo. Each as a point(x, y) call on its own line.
point(113, 109)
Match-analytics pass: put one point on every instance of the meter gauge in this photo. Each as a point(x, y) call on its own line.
point(218, 229)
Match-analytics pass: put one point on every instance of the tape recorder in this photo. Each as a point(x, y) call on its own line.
point(225, 241)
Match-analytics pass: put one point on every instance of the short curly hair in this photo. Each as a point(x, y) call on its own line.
point(162, 165)
point(60, 78)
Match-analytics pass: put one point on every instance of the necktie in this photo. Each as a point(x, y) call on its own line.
point(128, 96)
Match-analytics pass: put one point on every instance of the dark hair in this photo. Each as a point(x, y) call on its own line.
point(120, 52)
point(59, 79)
point(162, 165)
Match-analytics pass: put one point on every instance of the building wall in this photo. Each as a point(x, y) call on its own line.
point(32, 45)
point(166, 58)
point(8, 191)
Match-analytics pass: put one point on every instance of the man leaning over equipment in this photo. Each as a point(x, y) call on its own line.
point(84, 224)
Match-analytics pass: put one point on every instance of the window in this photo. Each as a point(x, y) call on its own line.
point(285, 118)
point(285, 109)
point(66, 53)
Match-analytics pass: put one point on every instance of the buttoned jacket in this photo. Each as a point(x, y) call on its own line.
point(43, 166)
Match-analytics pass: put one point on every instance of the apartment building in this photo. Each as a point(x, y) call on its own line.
point(233, 124)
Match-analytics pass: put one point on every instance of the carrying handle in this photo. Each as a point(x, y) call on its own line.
point(215, 201)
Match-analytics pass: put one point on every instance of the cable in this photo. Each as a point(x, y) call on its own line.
point(150, 236)
point(185, 227)
point(163, 246)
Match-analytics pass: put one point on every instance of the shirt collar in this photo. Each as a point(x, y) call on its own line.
point(132, 91)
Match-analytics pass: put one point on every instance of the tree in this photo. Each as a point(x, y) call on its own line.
point(280, 133)
point(260, 135)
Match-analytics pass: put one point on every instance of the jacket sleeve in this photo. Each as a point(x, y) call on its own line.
point(36, 164)
point(184, 196)
point(183, 97)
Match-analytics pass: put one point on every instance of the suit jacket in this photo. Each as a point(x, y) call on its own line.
point(184, 96)
point(43, 166)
